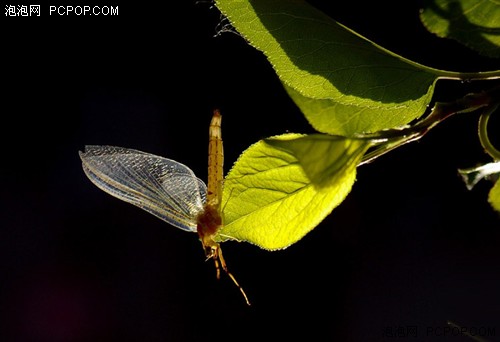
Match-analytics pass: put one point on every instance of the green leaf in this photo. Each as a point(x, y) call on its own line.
point(332, 117)
point(494, 196)
point(342, 82)
point(281, 188)
point(473, 23)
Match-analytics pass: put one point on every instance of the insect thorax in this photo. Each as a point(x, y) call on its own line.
point(208, 223)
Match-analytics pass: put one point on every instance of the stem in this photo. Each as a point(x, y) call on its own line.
point(483, 132)
point(468, 76)
point(389, 140)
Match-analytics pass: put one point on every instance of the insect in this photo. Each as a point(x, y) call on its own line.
point(167, 189)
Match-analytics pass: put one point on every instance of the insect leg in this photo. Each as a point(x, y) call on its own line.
point(224, 267)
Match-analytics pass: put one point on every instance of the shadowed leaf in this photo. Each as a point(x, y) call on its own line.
point(342, 82)
point(473, 23)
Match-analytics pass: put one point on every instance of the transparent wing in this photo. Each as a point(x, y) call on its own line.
point(161, 186)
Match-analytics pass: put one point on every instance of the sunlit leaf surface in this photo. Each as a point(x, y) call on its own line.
point(494, 196)
point(281, 188)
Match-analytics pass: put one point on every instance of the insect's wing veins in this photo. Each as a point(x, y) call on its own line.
point(161, 186)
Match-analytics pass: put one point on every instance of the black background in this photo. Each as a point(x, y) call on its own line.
point(409, 247)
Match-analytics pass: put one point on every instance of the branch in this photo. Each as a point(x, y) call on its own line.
point(389, 140)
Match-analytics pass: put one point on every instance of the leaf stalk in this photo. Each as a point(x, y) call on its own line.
point(391, 139)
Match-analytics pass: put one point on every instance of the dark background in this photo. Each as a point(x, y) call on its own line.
point(410, 247)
